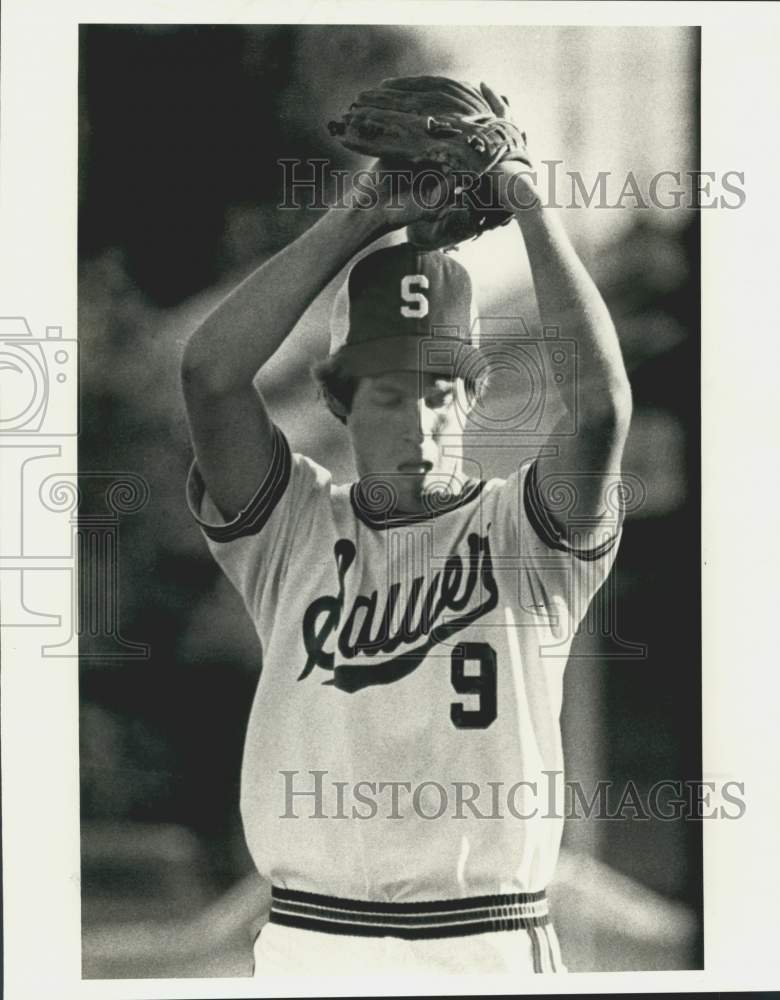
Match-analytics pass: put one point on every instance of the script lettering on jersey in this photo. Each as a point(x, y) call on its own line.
point(449, 590)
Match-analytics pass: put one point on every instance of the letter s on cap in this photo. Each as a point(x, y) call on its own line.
point(417, 302)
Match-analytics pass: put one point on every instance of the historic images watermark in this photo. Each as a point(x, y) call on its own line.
point(62, 527)
point(314, 794)
point(315, 183)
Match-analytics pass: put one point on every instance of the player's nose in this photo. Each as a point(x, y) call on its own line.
point(418, 420)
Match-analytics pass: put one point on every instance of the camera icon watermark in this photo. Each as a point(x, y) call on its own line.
point(514, 381)
point(37, 378)
point(59, 557)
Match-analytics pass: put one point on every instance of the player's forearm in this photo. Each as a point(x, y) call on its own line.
point(252, 321)
point(568, 298)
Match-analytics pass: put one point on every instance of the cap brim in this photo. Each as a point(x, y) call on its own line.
point(446, 356)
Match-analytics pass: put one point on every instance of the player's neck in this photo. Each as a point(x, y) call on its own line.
point(415, 496)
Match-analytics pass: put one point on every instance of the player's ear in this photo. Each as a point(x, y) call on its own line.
point(471, 392)
point(465, 393)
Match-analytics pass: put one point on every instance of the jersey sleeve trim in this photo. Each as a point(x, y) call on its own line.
point(549, 531)
point(253, 517)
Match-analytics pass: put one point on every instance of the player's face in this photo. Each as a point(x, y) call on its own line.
point(399, 424)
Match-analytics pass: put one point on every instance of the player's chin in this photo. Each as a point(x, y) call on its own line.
point(412, 472)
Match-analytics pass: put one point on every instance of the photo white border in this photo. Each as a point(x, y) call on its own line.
point(38, 186)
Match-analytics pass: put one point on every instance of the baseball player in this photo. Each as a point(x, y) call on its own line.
point(415, 623)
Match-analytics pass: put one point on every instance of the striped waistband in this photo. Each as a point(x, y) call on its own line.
point(430, 919)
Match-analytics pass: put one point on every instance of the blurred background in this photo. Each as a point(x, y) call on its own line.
point(181, 128)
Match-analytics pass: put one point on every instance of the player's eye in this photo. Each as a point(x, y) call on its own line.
point(387, 397)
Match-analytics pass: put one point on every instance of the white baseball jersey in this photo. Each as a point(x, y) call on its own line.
point(404, 737)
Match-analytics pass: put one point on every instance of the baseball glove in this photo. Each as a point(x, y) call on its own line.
point(434, 123)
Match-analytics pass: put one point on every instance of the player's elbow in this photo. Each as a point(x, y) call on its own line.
point(610, 409)
point(203, 373)
point(620, 402)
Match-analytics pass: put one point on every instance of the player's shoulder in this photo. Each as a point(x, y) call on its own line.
point(312, 493)
point(496, 487)
point(308, 469)
point(504, 501)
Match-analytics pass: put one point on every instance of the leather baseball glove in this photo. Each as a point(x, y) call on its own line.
point(432, 123)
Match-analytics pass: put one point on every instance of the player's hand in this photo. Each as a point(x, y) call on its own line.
point(402, 201)
point(512, 181)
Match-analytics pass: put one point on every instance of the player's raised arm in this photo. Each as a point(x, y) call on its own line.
point(568, 299)
point(231, 431)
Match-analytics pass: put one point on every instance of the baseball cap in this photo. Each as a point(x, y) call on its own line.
point(404, 308)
